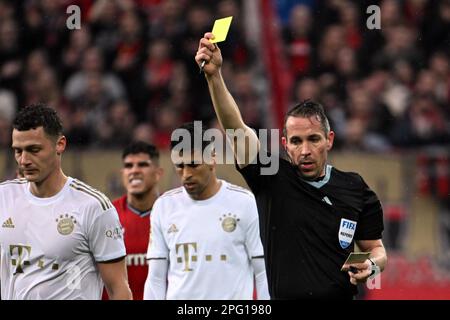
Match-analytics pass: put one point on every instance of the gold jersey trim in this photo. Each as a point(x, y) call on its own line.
point(15, 181)
point(172, 192)
point(106, 204)
point(241, 190)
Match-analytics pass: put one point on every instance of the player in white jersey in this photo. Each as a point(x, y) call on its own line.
point(60, 238)
point(204, 240)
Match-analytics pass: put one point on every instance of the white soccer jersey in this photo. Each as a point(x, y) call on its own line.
point(209, 243)
point(50, 246)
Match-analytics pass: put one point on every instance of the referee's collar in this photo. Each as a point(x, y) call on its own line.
point(324, 180)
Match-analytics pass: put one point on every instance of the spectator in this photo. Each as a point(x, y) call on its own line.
point(298, 41)
point(93, 64)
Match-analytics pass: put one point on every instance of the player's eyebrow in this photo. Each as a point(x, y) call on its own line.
point(144, 163)
point(192, 164)
point(28, 147)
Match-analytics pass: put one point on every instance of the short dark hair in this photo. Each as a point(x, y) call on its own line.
point(307, 109)
point(194, 129)
point(136, 147)
point(39, 115)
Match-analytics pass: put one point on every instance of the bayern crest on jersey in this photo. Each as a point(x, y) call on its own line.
point(347, 230)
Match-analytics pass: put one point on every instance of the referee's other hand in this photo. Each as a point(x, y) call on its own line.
point(358, 272)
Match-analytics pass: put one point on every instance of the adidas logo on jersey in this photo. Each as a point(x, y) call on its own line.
point(325, 199)
point(8, 224)
point(172, 228)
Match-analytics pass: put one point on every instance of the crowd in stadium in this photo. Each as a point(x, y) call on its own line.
point(129, 71)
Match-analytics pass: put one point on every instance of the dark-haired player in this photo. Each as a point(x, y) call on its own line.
point(60, 238)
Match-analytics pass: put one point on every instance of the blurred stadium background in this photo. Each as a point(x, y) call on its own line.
point(129, 73)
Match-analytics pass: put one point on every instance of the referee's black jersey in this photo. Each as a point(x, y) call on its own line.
point(308, 228)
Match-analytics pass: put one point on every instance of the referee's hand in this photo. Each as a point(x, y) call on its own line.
point(208, 55)
point(359, 272)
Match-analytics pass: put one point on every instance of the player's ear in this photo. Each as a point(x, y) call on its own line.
point(160, 171)
point(330, 140)
point(61, 145)
point(284, 142)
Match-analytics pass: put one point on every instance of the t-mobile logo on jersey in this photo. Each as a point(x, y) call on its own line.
point(20, 256)
point(21, 253)
point(189, 256)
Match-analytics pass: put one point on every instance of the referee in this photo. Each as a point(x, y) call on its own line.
point(311, 214)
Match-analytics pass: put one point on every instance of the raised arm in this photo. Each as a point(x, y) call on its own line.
point(225, 106)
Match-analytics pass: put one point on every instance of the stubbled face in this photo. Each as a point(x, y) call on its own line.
point(140, 174)
point(197, 177)
point(37, 154)
point(307, 145)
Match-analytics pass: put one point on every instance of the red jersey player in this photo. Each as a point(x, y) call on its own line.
point(140, 176)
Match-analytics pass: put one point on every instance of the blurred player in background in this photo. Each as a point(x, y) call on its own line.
point(140, 176)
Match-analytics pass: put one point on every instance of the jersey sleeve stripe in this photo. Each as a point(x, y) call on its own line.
point(237, 190)
point(99, 199)
point(15, 181)
point(101, 194)
point(94, 191)
point(172, 192)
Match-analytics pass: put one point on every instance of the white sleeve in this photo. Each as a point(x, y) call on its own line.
point(158, 255)
point(105, 236)
point(256, 253)
point(156, 284)
point(262, 287)
point(157, 247)
point(253, 243)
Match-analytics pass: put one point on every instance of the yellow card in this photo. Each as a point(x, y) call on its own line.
point(220, 29)
point(356, 257)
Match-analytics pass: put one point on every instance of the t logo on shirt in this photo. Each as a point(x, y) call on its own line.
point(187, 257)
point(20, 261)
point(190, 255)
